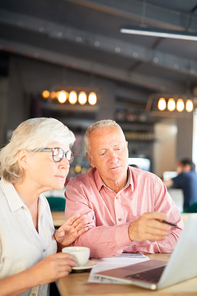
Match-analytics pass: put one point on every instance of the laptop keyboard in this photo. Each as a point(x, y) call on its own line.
point(152, 275)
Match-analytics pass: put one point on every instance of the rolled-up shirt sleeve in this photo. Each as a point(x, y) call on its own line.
point(165, 204)
point(162, 203)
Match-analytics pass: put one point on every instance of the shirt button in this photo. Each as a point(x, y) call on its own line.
point(44, 251)
point(116, 197)
point(119, 219)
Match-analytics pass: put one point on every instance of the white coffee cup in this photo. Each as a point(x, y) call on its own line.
point(81, 254)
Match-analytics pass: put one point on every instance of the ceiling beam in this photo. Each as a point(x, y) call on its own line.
point(151, 83)
point(154, 15)
point(128, 50)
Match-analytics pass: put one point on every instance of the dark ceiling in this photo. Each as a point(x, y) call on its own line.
point(85, 35)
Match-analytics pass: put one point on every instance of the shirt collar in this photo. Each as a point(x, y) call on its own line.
point(99, 182)
point(11, 195)
point(14, 200)
point(130, 178)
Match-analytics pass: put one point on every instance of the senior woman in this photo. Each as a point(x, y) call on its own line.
point(37, 159)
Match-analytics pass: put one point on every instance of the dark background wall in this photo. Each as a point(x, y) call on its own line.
point(28, 77)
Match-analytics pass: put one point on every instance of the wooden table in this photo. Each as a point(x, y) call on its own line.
point(75, 284)
point(59, 218)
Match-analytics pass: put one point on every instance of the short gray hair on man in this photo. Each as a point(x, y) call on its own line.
point(98, 125)
point(33, 134)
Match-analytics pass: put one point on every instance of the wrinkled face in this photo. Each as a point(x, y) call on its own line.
point(109, 154)
point(46, 174)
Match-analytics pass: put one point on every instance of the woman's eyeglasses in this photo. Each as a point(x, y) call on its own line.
point(58, 154)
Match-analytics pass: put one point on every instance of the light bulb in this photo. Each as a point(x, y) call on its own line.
point(161, 104)
point(180, 105)
point(57, 94)
point(92, 98)
point(53, 95)
point(189, 105)
point(78, 168)
point(82, 98)
point(45, 94)
point(73, 97)
point(171, 105)
point(62, 96)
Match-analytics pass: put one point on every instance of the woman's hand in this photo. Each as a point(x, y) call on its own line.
point(53, 267)
point(71, 230)
point(45, 271)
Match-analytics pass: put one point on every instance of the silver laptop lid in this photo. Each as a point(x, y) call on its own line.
point(181, 266)
point(183, 261)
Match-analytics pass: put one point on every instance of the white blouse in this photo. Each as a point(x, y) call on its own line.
point(21, 246)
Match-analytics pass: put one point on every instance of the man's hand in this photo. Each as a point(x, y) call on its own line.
point(147, 227)
point(71, 230)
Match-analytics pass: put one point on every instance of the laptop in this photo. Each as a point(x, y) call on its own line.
point(156, 274)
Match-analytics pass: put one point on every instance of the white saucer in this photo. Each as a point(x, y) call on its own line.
point(88, 265)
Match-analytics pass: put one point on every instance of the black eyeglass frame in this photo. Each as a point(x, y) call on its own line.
point(63, 154)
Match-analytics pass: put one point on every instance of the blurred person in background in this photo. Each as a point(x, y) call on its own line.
point(36, 159)
point(186, 180)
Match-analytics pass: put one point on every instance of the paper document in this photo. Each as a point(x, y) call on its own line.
point(109, 263)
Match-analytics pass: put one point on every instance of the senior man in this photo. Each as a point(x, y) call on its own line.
point(124, 205)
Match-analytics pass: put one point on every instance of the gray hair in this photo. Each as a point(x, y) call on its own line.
point(98, 125)
point(32, 135)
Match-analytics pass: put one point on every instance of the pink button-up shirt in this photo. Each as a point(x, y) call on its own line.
point(109, 214)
